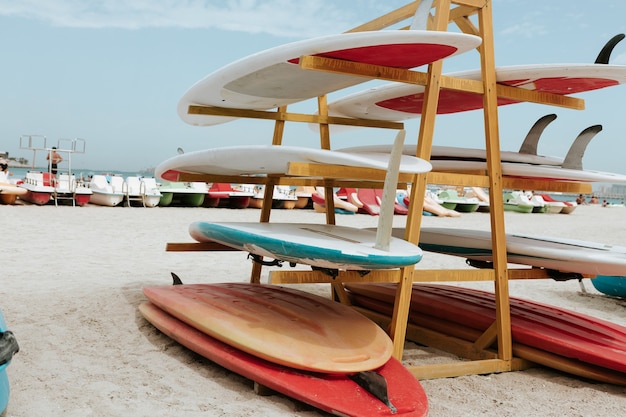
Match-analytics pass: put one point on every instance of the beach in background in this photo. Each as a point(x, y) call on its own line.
point(73, 278)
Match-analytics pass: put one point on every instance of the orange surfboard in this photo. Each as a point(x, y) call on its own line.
point(281, 325)
point(339, 394)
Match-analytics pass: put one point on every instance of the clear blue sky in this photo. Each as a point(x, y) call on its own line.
point(112, 72)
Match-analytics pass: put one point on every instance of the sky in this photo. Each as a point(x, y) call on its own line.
point(112, 72)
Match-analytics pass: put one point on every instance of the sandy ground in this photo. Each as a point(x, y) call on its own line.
point(72, 280)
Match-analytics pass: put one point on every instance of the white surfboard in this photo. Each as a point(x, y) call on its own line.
point(12, 189)
point(273, 78)
point(398, 101)
point(319, 245)
point(274, 159)
point(564, 255)
point(463, 162)
point(461, 154)
point(541, 172)
point(527, 153)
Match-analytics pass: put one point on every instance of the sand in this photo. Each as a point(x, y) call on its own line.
point(72, 279)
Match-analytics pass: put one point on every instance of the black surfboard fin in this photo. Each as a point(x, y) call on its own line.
point(259, 260)
point(333, 273)
point(529, 146)
point(563, 276)
point(475, 263)
point(375, 384)
point(605, 52)
point(574, 157)
point(176, 279)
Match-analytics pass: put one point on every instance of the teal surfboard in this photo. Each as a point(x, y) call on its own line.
point(320, 245)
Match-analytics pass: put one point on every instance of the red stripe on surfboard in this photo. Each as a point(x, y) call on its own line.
point(394, 55)
point(170, 175)
point(457, 101)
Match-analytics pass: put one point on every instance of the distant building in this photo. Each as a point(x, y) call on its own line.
point(14, 162)
point(619, 189)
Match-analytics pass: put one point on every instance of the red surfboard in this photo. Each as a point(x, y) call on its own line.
point(397, 101)
point(273, 78)
point(547, 328)
point(334, 393)
point(539, 356)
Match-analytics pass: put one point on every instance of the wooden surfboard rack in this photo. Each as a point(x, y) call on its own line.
point(481, 359)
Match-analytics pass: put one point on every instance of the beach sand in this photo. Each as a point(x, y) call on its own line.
point(72, 280)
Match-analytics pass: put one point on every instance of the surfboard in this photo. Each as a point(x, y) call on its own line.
point(274, 159)
point(614, 286)
point(281, 325)
point(527, 152)
point(319, 245)
point(334, 393)
point(520, 170)
point(554, 337)
point(12, 189)
point(399, 101)
point(273, 78)
point(9, 193)
point(514, 164)
point(573, 159)
point(559, 254)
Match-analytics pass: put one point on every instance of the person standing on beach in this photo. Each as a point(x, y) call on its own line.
point(54, 160)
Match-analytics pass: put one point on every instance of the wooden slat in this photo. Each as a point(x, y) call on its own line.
point(288, 180)
point(445, 178)
point(466, 25)
point(400, 315)
point(539, 97)
point(478, 179)
point(452, 275)
point(546, 185)
point(316, 277)
point(291, 117)
point(494, 165)
point(279, 126)
point(339, 172)
point(371, 71)
point(481, 361)
point(474, 367)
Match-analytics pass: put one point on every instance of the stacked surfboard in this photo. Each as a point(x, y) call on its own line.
point(553, 337)
point(399, 101)
point(303, 346)
point(309, 348)
point(525, 163)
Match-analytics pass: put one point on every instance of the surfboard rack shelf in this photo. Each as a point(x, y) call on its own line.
point(501, 359)
point(492, 351)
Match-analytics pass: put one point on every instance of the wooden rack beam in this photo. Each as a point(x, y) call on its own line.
point(291, 117)
point(370, 71)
